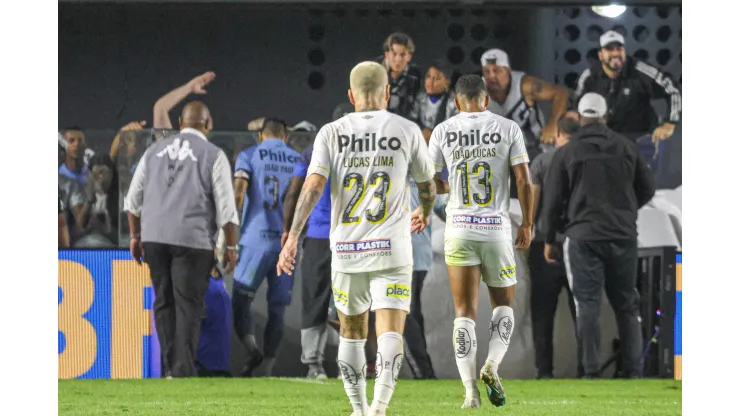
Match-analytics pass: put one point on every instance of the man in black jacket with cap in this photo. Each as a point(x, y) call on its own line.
point(595, 186)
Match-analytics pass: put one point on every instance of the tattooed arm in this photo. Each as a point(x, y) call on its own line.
point(291, 199)
point(535, 90)
point(427, 196)
point(310, 194)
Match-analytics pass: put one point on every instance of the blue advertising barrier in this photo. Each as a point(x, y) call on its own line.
point(677, 323)
point(106, 329)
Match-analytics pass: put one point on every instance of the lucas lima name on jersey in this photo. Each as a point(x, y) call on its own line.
point(368, 157)
point(477, 149)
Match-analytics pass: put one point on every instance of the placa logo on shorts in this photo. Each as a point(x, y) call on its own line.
point(398, 291)
point(340, 296)
point(473, 219)
point(362, 246)
point(507, 272)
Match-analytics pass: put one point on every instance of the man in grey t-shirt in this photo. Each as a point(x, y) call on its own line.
point(547, 279)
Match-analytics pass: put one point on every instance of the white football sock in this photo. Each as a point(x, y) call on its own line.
point(387, 365)
point(352, 367)
point(499, 333)
point(465, 345)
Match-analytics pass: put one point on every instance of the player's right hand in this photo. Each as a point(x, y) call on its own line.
point(229, 261)
point(284, 238)
point(419, 221)
point(137, 251)
point(198, 84)
point(286, 261)
point(551, 253)
point(523, 238)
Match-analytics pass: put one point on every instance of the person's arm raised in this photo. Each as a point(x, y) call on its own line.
point(163, 106)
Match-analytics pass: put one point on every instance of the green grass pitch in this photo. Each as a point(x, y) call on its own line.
point(219, 397)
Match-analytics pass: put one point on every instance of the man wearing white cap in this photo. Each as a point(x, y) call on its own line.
point(514, 95)
point(628, 85)
point(598, 182)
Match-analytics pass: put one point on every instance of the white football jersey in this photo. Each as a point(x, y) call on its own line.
point(369, 156)
point(478, 149)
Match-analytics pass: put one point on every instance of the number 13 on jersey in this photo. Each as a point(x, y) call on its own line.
point(382, 185)
point(483, 169)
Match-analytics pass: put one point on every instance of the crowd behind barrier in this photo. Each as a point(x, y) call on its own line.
point(125, 154)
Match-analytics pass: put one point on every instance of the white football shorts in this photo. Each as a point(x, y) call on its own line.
point(354, 293)
point(498, 265)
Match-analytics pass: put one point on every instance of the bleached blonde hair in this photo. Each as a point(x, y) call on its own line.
point(368, 80)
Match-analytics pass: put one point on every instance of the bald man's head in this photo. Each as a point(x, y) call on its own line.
point(196, 115)
point(368, 86)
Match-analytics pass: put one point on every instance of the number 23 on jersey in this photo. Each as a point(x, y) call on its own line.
point(381, 184)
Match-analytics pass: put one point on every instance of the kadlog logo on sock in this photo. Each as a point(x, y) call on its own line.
point(463, 342)
point(503, 327)
point(397, 291)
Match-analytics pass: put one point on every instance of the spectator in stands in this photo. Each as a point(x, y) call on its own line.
point(547, 280)
point(342, 110)
point(301, 140)
point(72, 197)
point(404, 77)
point(514, 95)
point(63, 230)
point(436, 103)
point(101, 212)
point(123, 148)
point(74, 166)
point(256, 124)
point(62, 142)
point(598, 182)
point(628, 85)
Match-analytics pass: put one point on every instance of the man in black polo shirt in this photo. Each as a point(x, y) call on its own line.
point(597, 183)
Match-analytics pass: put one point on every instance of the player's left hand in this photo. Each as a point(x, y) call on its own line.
point(523, 238)
point(286, 261)
point(419, 222)
point(663, 132)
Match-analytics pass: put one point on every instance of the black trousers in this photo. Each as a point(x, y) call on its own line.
point(315, 299)
point(547, 280)
point(315, 281)
point(416, 345)
point(612, 265)
point(180, 276)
